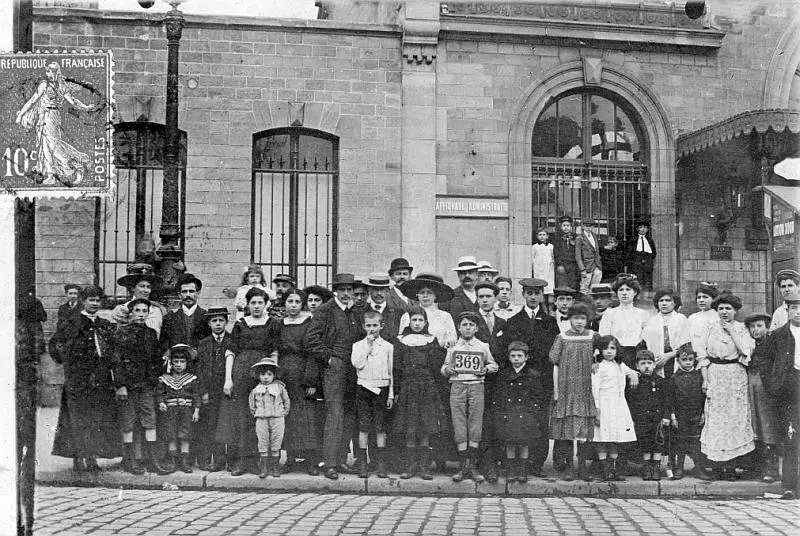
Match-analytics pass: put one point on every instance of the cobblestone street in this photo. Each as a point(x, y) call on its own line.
point(102, 511)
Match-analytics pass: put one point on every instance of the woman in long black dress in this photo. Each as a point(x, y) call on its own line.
point(303, 378)
point(252, 338)
point(91, 430)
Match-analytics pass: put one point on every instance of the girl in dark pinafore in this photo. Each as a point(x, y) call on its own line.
point(418, 356)
point(252, 338)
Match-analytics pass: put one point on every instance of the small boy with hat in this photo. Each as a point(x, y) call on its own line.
point(763, 412)
point(141, 282)
point(650, 411)
point(135, 366)
point(642, 255)
point(466, 365)
point(269, 404)
point(602, 298)
point(211, 371)
point(567, 274)
point(179, 397)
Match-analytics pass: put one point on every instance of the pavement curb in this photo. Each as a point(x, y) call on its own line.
point(441, 485)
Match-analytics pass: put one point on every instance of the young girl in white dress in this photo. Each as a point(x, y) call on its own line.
point(543, 262)
point(614, 423)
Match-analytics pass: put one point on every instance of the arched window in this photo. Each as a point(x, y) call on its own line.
point(589, 162)
point(295, 203)
point(131, 221)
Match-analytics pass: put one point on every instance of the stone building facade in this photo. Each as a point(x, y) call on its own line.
point(428, 127)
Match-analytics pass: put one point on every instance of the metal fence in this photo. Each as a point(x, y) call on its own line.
point(614, 195)
point(131, 221)
point(295, 204)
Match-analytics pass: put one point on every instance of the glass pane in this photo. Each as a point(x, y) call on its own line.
point(271, 152)
point(613, 135)
point(557, 132)
point(316, 154)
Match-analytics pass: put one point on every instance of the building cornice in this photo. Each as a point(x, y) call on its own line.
point(624, 25)
point(61, 14)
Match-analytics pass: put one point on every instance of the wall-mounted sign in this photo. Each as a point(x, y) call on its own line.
point(756, 239)
point(471, 207)
point(721, 253)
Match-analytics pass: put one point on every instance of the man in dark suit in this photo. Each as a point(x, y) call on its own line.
point(567, 274)
point(399, 272)
point(642, 255)
point(188, 324)
point(379, 289)
point(587, 255)
point(780, 372)
point(464, 297)
point(533, 326)
point(490, 330)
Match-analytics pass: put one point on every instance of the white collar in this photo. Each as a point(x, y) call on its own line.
point(299, 319)
point(342, 306)
point(219, 337)
point(376, 306)
point(250, 321)
point(531, 312)
point(189, 312)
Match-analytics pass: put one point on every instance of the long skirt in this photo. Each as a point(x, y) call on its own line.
point(87, 425)
point(305, 423)
point(727, 433)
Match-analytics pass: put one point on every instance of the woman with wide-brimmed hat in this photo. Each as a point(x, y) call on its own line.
point(429, 290)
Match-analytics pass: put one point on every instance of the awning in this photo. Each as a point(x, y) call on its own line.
point(789, 195)
point(788, 168)
point(744, 123)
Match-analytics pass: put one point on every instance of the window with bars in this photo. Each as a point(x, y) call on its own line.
point(588, 161)
point(126, 227)
point(295, 203)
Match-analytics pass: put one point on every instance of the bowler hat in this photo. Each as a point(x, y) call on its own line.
point(188, 278)
point(485, 266)
point(216, 311)
point(286, 278)
point(319, 290)
point(400, 264)
point(139, 272)
point(532, 282)
point(427, 280)
point(265, 362)
point(343, 279)
point(466, 263)
point(378, 280)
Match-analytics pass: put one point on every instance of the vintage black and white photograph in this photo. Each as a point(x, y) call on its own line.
point(345, 267)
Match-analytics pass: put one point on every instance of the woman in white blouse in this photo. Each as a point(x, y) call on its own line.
point(697, 324)
point(665, 332)
point(429, 289)
point(625, 321)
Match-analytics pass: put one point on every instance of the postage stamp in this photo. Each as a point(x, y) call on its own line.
point(56, 134)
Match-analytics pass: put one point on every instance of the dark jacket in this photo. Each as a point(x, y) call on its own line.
point(211, 365)
point(395, 301)
point(775, 361)
point(519, 405)
point(613, 262)
point(459, 304)
point(685, 399)
point(333, 332)
point(173, 330)
point(84, 369)
point(564, 251)
point(538, 333)
point(493, 338)
point(136, 361)
point(648, 405)
point(631, 247)
point(391, 322)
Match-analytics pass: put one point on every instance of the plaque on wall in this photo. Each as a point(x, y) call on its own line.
point(471, 207)
point(721, 253)
point(756, 240)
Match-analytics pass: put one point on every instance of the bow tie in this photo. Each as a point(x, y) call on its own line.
point(562, 318)
point(503, 305)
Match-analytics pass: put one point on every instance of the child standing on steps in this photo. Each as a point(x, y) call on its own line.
point(179, 395)
point(417, 359)
point(573, 415)
point(686, 401)
point(614, 424)
point(543, 265)
point(648, 405)
point(269, 404)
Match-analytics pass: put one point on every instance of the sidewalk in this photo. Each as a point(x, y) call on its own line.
point(52, 470)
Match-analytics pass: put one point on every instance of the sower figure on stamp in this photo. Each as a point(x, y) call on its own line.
point(334, 329)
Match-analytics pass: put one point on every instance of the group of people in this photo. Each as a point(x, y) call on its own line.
point(414, 374)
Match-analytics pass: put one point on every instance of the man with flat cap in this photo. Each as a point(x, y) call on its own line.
point(787, 281)
point(533, 326)
point(334, 328)
point(399, 272)
point(780, 372)
point(187, 324)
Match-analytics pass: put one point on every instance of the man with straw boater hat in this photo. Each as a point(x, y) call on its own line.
point(334, 328)
point(464, 296)
point(141, 282)
point(399, 272)
point(379, 288)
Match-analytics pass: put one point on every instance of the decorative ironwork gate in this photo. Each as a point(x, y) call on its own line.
point(126, 228)
point(295, 203)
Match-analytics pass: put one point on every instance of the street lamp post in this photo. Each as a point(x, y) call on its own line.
point(169, 253)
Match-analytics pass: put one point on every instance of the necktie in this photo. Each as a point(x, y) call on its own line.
point(667, 345)
point(187, 327)
point(490, 322)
